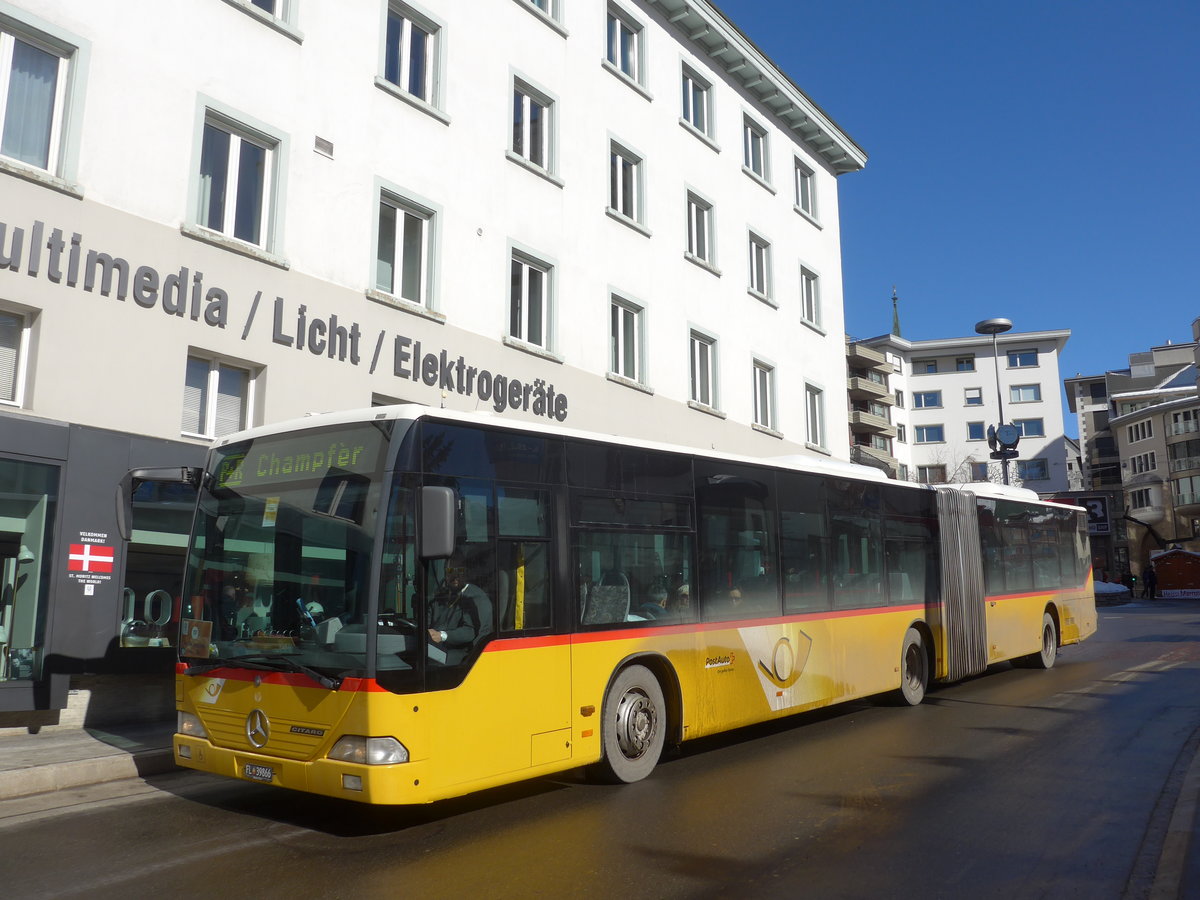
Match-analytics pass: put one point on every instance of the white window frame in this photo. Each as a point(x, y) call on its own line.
point(756, 141)
point(524, 96)
point(1141, 431)
point(924, 473)
point(814, 415)
point(1016, 393)
point(208, 422)
point(973, 396)
point(626, 337)
point(281, 16)
point(529, 263)
point(806, 190)
point(548, 11)
point(810, 296)
point(759, 266)
point(619, 22)
point(238, 135)
point(1024, 465)
point(764, 395)
point(901, 433)
point(1023, 424)
point(405, 207)
point(20, 357)
point(982, 431)
point(927, 366)
point(58, 104)
point(923, 431)
point(409, 17)
point(697, 95)
point(920, 401)
point(702, 352)
point(700, 248)
point(1016, 359)
point(1143, 462)
point(626, 174)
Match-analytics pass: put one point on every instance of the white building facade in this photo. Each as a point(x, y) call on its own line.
point(946, 397)
point(615, 216)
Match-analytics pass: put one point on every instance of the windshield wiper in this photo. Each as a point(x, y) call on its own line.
point(266, 662)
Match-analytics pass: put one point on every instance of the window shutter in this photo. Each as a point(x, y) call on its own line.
point(231, 401)
point(10, 348)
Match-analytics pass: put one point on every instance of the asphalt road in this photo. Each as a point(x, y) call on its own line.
point(1017, 783)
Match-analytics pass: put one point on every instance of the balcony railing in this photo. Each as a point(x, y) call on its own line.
point(1185, 462)
point(1187, 498)
point(1187, 427)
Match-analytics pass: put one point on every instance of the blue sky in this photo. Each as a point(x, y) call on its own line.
point(1033, 160)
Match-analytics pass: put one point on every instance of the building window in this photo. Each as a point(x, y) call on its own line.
point(764, 395)
point(806, 190)
point(901, 434)
point(697, 102)
point(903, 472)
point(1143, 462)
point(624, 182)
point(33, 99)
point(1184, 422)
point(755, 150)
point(810, 297)
point(624, 45)
point(625, 339)
point(1033, 469)
point(402, 264)
point(700, 230)
point(14, 351)
point(410, 53)
point(975, 431)
point(927, 399)
point(1025, 393)
point(760, 266)
point(964, 364)
point(973, 396)
point(1141, 431)
point(931, 474)
point(529, 301)
point(899, 399)
point(1022, 359)
point(979, 471)
point(930, 434)
point(1140, 499)
point(1186, 490)
point(532, 113)
point(236, 182)
point(925, 367)
point(814, 415)
point(216, 398)
point(703, 369)
point(1030, 427)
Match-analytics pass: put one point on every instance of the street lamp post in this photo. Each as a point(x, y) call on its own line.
point(996, 327)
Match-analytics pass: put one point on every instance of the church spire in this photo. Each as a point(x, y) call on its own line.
point(895, 313)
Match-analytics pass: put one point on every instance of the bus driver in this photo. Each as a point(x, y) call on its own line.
point(460, 613)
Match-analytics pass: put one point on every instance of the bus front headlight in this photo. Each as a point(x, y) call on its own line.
point(189, 724)
point(370, 751)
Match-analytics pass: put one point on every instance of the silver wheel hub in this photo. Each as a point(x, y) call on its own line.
point(637, 722)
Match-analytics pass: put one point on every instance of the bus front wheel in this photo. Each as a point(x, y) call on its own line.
point(1046, 657)
point(633, 726)
point(914, 668)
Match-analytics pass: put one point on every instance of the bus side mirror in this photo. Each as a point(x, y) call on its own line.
point(134, 477)
point(437, 522)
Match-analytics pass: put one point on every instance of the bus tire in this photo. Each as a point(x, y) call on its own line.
point(1045, 658)
point(633, 727)
point(914, 668)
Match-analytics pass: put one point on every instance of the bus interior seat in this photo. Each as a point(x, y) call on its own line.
point(608, 600)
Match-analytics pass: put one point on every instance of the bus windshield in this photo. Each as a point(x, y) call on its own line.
point(279, 566)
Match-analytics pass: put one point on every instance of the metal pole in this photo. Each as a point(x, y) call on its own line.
point(999, 398)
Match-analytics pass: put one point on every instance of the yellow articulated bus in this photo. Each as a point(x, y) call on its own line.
point(401, 604)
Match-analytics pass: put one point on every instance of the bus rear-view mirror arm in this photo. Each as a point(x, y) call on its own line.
point(129, 484)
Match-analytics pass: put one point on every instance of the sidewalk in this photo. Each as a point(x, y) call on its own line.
point(77, 757)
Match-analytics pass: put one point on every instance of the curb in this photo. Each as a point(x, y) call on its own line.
point(30, 780)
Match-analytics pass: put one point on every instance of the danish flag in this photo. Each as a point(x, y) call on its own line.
point(90, 558)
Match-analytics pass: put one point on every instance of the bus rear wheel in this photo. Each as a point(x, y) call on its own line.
point(633, 728)
point(914, 668)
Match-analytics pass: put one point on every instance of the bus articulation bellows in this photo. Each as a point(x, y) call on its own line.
point(400, 605)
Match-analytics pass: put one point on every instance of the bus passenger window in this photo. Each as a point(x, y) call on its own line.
point(633, 577)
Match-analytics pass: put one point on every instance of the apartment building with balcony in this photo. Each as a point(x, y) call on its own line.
point(870, 401)
point(944, 395)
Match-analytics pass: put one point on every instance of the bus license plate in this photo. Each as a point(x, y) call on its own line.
point(258, 773)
